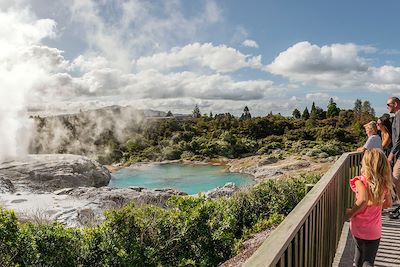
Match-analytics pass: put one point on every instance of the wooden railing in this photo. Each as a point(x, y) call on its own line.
point(310, 233)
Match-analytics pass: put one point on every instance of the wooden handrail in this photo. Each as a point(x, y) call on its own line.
point(310, 233)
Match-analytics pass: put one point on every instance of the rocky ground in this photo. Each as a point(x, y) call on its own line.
point(72, 189)
point(263, 167)
point(248, 248)
point(49, 172)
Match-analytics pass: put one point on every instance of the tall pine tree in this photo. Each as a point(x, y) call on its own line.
point(306, 114)
point(357, 109)
point(296, 114)
point(246, 113)
point(196, 112)
point(333, 110)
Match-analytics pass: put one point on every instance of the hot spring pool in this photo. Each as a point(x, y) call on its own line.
point(183, 177)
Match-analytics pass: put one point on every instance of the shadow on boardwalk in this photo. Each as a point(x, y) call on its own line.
point(389, 247)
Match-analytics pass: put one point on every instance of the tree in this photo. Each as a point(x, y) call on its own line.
point(313, 109)
point(317, 113)
point(333, 110)
point(306, 114)
point(367, 113)
point(367, 109)
point(357, 109)
point(363, 112)
point(246, 113)
point(211, 114)
point(169, 114)
point(196, 112)
point(296, 113)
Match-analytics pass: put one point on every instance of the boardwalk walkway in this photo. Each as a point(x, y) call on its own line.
point(389, 248)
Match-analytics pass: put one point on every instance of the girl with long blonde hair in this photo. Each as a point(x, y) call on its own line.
point(373, 192)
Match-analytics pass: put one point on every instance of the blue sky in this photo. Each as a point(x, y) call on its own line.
point(222, 55)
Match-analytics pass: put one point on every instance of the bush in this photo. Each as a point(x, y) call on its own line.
point(171, 153)
point(193, 231)
point(271, 146)
point(55, 245)
point(187, 155)
point(16, 246)
point(300, 134)
point(272, 139)
point(332, 148)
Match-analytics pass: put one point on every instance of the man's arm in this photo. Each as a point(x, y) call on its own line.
point(396, 124)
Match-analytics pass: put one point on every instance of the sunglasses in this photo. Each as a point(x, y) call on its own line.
point(389, 104)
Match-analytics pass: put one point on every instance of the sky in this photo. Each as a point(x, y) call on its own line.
point(69, 55)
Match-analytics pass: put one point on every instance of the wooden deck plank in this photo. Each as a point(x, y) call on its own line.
point(389, 247)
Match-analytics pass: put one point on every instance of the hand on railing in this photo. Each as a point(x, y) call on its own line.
point(349, 213)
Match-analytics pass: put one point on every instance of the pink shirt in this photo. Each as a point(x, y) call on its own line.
point(367, 223)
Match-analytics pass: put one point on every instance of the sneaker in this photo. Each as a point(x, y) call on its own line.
point(395, 214)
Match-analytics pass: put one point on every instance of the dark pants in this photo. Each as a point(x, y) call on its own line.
point(365, 252)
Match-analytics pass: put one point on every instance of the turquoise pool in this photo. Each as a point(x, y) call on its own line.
point(184, 177)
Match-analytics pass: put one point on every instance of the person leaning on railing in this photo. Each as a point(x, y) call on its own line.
point(374, 140)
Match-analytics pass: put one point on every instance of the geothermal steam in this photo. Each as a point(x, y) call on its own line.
point(19, 73)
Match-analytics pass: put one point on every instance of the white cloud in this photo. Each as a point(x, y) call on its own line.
point(104, 70)
point(48, 58)
point(212, 12)
point(390, 52)
point(218, 58)
point(318, 96)
point(88, 63)
point(250, 43)
point(20, 27)
point(303, 59)
point(154, 84)
point(134, 28)
point(335, 66)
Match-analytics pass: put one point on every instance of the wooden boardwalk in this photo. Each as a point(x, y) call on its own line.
point(389, 248)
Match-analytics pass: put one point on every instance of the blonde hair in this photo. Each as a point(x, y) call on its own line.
point(376, 169)
point(371, 125)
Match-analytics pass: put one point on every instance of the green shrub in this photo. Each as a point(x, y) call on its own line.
point(16, 246)
point(300, 134)
point(136, 144)
point(265, 223)
point(271, 139)
point(192, 231)
point(268, 147)
point(171, 153)
point(55, 245)
point(187, 155)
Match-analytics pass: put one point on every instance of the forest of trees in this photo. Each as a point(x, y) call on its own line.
point(330, 132)
point(314, 131)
